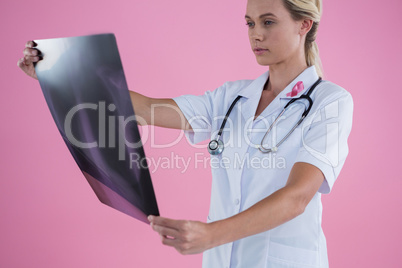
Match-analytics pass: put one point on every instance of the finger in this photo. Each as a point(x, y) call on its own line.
point(30, 43)
point(31, 51)
point(30, 60)
point(174, 224)
point(166, 231)
point(27, 61)
point(23, 63)
point(20, 63)
point(170, 242)
point(31, 55)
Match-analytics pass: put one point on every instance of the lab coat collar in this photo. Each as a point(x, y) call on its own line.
point(252, 93)
point(308, 76)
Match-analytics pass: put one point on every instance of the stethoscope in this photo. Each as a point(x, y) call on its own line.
point(215, 146)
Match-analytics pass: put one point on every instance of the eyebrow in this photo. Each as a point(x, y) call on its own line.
point(263, 15)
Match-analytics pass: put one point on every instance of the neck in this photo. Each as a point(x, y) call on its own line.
point(280, 75)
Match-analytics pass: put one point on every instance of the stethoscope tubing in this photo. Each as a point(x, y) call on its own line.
point(216, 146)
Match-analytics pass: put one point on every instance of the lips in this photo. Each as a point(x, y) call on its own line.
point(259, 49)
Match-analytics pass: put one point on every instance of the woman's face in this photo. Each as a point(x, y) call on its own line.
point(272, 29)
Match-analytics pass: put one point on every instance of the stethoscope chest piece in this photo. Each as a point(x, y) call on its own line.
point(215, 147)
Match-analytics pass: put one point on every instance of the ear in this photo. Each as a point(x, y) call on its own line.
point(305, 26)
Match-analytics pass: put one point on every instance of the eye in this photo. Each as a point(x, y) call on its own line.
point(249, 24)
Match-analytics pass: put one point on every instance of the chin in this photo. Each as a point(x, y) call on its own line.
point(262, 61)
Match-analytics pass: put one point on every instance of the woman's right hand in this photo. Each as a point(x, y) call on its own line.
point(31, 55)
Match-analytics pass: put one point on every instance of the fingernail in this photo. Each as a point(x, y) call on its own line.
point(150, 218)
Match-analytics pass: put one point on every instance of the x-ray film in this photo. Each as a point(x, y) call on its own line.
point(84, 85)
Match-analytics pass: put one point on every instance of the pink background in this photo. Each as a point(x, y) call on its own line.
point(51, 218)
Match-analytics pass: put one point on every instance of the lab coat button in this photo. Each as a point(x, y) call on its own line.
point(237, 201)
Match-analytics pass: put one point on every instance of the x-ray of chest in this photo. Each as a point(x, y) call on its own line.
point(84, 85)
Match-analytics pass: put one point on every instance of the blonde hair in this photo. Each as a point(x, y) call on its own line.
point(310, 9)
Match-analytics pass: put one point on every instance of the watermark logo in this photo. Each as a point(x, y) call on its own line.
point(319, 136)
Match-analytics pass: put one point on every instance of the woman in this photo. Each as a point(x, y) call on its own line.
point(265, 205)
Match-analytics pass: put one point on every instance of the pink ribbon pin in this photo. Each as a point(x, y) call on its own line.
point(296, 89)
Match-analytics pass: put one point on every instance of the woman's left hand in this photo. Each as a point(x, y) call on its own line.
point(187, 237)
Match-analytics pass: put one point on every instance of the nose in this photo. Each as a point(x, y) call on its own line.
point(256, 34)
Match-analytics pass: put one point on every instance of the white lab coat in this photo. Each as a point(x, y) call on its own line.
point(242, 175)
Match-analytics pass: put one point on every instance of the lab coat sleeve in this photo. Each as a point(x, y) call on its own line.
point(325, 139)
point(199, 111)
